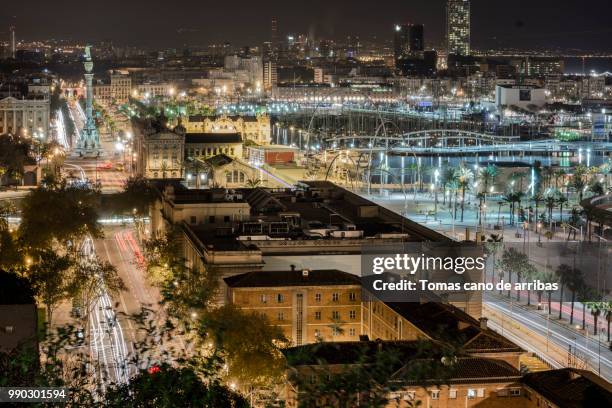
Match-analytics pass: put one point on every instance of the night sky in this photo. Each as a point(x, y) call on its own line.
point(581, 24)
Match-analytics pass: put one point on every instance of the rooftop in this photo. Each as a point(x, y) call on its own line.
point(322, 277)
point(213, 138)
point(202, 118)
point(403, 354)
point(441, 320)
point(571, 388)
point(176, 193)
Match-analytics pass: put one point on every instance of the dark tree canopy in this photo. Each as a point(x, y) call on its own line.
point(15, 290)
point(165, 387)
point(63, 213)
point(14, 155)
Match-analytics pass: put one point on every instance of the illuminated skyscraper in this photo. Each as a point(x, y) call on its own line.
point(401, 41)
point(458, 27)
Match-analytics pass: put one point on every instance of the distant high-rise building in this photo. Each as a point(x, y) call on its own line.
point(458, 27)
point(326, 48)
point(415, 38)
point(401, 41)
point(274, 36)
point(270, 74)
point(13, 42)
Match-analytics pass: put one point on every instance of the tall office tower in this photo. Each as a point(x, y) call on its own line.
point(13, 42)
point(416, 39)
point(270, 74)
point(274, 36)
point(401, 41)
point(458, 27)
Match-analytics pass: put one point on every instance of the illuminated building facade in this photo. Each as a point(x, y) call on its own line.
point(253, 128)
point(26, 115)
point(309, 305)
point(458, 27)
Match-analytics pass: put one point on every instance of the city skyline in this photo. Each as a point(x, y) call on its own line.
point(541, 24)
point(389, 204)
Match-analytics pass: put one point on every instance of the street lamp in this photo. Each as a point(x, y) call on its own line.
point(436, 175)
point(539, 225)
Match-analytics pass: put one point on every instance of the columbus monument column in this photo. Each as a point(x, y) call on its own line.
point(89, 140)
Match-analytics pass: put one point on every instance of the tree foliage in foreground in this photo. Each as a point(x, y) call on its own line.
point(373, 375)
point(62, 214)
point(167, 387)
point(15, 153)
point(164, 375)
point(249, 343)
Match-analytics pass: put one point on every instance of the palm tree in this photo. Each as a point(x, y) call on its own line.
point(574, 284)
point(494, 242)
point(563, 273)
point(512, 262)
point(561, 199)
point(596, 308)
point(520, 176)
point(530, 273)
point(487, 177)
point(548, 173)
point(449, 176)
point(607, 309)
point(454, 189)
point(546, 276)
point(585, 295)
point(578, 180)
point(550, 201)
point(512, 198)
point(465, 175)
point(537, 198)
point(481, 205)
point(509, 199)
point(590, 215)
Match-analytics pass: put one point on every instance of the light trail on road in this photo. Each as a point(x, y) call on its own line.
point(598, 358)
point(106, 333)
point(61, 130)
point(79, 109)
point(107, 343)
point(78, 125)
